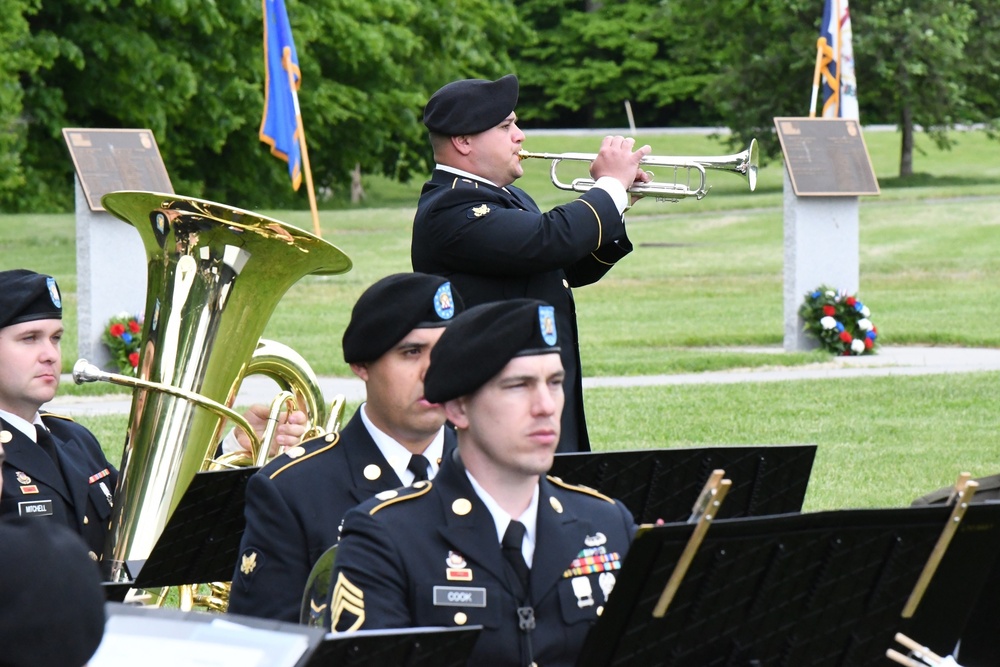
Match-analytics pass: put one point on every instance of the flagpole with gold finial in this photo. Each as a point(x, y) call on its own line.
point(300, 130)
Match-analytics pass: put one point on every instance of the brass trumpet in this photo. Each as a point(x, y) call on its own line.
point(743, 164)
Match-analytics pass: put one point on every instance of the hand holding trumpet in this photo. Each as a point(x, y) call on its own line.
point(617, 160)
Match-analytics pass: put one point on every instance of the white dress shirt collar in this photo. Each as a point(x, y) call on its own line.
point(24, 427)
point(398, 456)
point(501, 519)
point(464, 174)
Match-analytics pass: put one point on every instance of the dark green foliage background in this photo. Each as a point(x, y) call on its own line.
point(192, 72)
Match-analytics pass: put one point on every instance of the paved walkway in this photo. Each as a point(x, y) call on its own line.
point(889, 361)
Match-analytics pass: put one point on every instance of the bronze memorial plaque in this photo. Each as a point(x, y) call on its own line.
point(826, 157)
point(111, 160)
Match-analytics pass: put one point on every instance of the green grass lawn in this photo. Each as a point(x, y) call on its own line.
point(707, 276)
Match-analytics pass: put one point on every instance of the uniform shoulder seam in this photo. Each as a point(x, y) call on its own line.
point(458, 180)
point(409, 493)
point(52, 414)
point(306, 457)
point(586, 490)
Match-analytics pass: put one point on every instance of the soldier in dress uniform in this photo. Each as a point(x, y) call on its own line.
point(296, 502)
point(55, 469)
point(490, 238)
point(491, 541)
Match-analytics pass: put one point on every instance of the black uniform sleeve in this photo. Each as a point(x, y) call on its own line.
point(477, 231)
point(369, 587)
point(273, 566)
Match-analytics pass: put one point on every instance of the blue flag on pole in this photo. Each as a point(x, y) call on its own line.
point(829, 45)
point(280, 127)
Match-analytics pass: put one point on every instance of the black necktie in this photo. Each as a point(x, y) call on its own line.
point(511, 547)
point(418, 466)
point(47, 444)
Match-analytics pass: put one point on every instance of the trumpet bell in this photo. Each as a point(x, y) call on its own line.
point(746, 163)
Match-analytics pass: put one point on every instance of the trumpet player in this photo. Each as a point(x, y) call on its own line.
point(474, 227)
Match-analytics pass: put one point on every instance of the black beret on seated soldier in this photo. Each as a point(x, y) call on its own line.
point(483, 340)
point(26, 296)
point(391, 308)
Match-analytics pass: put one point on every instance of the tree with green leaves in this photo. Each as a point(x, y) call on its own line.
point(913, 56)
point(586, 60)
point(981, 74)
point(917, 65)
point(741, 63)
point(13, 32)
point(192, 72)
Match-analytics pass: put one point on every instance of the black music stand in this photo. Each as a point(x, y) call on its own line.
point(664, 483)
point(979, 644)
point(201, 540)
point(406, 647)
point(981, 637)
point(809, 590)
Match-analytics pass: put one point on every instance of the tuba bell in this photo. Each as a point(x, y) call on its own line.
point(215, 275)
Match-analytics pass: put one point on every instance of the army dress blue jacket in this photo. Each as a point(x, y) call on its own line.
point(494, 244)
point(293, 511)
point(80, 497)
point(428, 555)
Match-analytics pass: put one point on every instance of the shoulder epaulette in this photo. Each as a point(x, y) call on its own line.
point(394, 496)
point(579, 489)
point(459, 182)
point(52, 414)
point(298, 453)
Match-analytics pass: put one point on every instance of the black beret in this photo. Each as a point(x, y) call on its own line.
point(26, 296)
point(53, 606)
point(470, 106)
point(481, 341)
point(393, 307)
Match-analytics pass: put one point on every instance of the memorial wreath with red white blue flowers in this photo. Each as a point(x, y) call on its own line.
point(839, 321)
point(122, 337)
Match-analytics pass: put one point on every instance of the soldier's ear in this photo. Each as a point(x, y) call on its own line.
point(361, 370)
point(456, 412)
point(462, 144)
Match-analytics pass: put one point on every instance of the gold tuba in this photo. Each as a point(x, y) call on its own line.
point(215, 276)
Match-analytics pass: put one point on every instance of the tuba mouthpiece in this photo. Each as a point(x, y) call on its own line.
point(84, 371)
